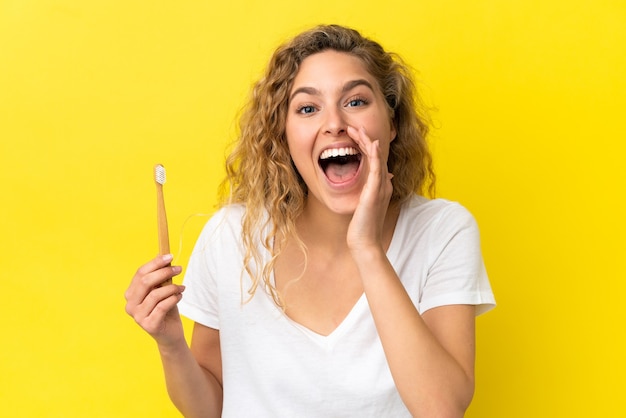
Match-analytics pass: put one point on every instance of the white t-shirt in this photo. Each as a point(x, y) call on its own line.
point(274, 367)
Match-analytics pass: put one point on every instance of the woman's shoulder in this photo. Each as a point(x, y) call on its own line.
point(234, 211)
point(421, 205)
point(420, 211)
point(226, 219)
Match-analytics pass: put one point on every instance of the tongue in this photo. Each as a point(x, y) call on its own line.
point(339, 173)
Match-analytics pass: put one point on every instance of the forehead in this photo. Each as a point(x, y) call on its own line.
point(331, 67)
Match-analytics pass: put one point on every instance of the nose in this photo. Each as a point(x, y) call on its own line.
point(334, 122)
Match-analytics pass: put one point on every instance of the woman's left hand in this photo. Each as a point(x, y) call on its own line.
point(366, 228)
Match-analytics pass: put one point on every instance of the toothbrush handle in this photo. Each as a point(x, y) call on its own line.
point(164, 242)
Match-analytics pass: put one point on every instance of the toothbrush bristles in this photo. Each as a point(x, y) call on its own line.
point(159, 174)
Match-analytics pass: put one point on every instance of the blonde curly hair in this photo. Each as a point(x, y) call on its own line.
point(260, 172)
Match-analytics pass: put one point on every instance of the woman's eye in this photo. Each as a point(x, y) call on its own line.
point(356, 102)
point(306, 109)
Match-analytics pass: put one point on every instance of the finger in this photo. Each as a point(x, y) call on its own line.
point(378, 175)
point(368, 147)
point(153, 322)
point(375, 164)
point(155, 298)
point(155, 264)
point(143, 282)
point(361, 138)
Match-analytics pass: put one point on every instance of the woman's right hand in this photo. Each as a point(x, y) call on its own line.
point(153, 305)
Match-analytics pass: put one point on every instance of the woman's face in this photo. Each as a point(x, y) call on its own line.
point(332, 91)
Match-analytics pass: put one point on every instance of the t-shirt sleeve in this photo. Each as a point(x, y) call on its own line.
point(457, 272)
point(200, 298)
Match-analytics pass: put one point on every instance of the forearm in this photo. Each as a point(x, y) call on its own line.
point(430, 380)
point(192, 389)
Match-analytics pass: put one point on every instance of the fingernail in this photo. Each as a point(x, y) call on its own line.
point(177, 269)
point(167, 257)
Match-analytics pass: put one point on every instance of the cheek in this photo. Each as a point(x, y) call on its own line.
point(295, 147)
point(291, 133)
point(298, 138)
point(300, 159)
point(377, 124)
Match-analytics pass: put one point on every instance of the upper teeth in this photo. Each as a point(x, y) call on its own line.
point(338, 152)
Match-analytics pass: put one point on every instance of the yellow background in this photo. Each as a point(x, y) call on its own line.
point(529, 99)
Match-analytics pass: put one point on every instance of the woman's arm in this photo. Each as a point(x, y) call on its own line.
point(193, 375)
point(431, 356)
point(194, 384)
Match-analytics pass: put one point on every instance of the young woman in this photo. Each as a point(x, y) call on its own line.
point(327, 285)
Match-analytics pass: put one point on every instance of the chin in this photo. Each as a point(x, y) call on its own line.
point(343, 205)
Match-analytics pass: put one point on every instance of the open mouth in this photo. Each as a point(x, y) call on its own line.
point(340, 164)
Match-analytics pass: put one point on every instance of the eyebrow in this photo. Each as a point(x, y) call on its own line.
point(347, 87)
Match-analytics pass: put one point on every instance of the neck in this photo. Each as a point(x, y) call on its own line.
point(323, 228)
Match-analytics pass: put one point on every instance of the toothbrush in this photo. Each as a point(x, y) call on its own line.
point(164, 242)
